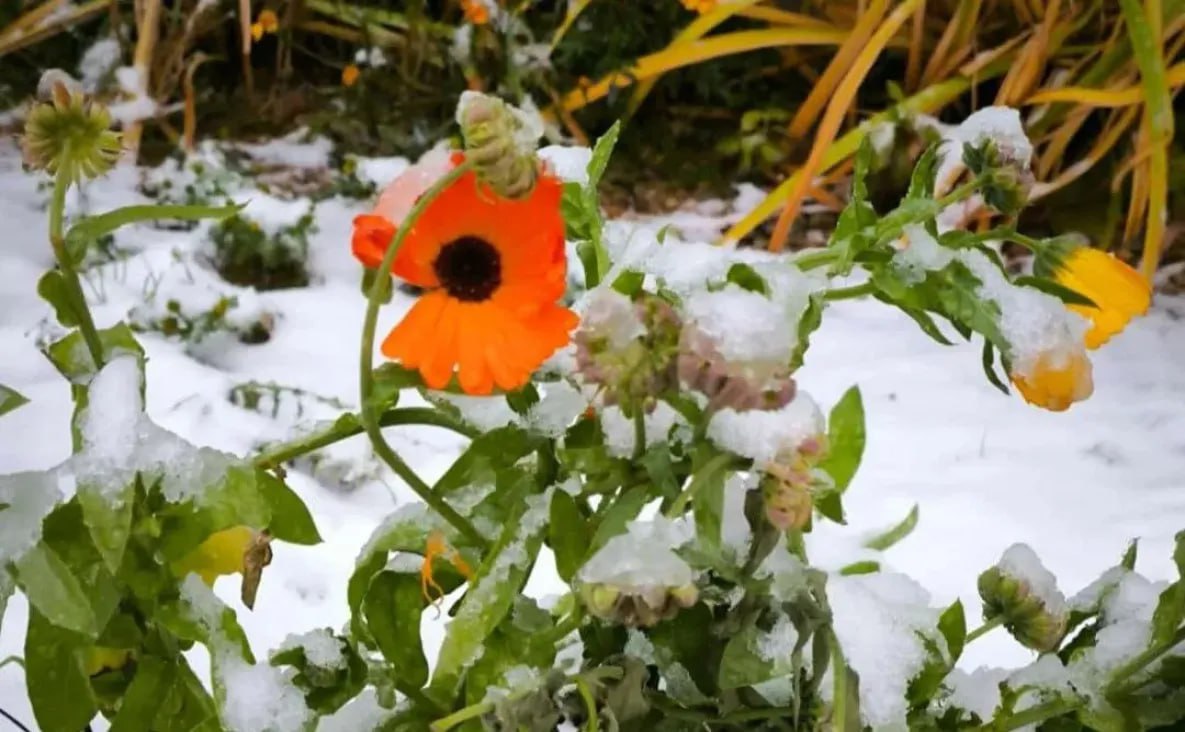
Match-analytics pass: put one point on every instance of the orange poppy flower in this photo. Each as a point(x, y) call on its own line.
point(493, 269)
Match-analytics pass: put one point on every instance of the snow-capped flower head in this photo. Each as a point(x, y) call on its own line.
point(1021, 592)
point(637, 579)
point(500, 143)
point(1119, 292)
point(991, 142)
point(735, 385)
point(628, 347)
point(69, 133)
point(493, 269)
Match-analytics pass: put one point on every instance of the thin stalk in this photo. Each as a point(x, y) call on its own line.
point(1033, 715)
point(639, 431)
point(463, 715)
point(370, 420)
point(839, 698)
point(343, 429)
point(590, 705)
point(86, 324)
point(985, 628)
point(850, 293)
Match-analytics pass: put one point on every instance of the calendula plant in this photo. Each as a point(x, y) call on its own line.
point(650, 442)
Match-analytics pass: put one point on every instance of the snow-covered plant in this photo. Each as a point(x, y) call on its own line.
point(648, 445)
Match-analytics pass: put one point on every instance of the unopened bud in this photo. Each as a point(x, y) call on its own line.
point(67, 132)
point(500, 142)
point(1021, 592)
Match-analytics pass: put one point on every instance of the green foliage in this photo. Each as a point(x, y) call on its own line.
point(246, 254)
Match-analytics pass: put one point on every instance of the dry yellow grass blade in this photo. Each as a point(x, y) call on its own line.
point(833, 117)
point(1108, 98)
point(14, 37)
point(694, 31)
point(1111, 135)
point(147, 32)
point(697, 51)
point(917, 37)
point(955, 42)
point(575, 8)
point(31, 19)
point(189, 124)
point(813, 105)
point(782, 17)
point(1030, 67)
point(1053, 149)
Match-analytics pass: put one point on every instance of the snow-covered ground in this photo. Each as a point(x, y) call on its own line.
point(986, 470)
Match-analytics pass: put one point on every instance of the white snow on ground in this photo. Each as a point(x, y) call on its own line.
point(988, 471)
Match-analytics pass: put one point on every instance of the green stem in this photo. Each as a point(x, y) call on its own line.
point(850, 293)
point(463, 715)
point(590, 704)
point(813, 260)
point(349, 425)
point(370, 420)
point(418, 697)
point(639, 431)
point(839, 698)
point(710, 468)
point(86, 323)
point(1033, 715)
point(1119, 680)
point(984, 629)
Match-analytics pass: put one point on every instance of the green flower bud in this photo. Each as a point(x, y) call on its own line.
point(1022, 593)
point(500, 143)
point(69, 134)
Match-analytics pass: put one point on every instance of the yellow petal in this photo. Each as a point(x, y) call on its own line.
point(221, 553)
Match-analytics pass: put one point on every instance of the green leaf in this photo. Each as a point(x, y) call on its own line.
point(523, 399)
point(188, 705)
point(392, 609)
point(624, 509)
point(845, 439)
point(866, 566)
point(567, 533)
point(73, 360)
point(707, 503)
point(1128, 561)
point(53, 589)
point(389, 380)
point(602, 151)
point(921, 182)
point(59, 691)
point(587, 251)
point(53, 289)
point(629, 282)
point(90, 228)
point(962, 303)
point(903, 529)
point(1058, 290)
point(234, 500)
point(10, 400)
point(989, 369)
point(108, 517)
point(290, 517)
point(1170, 609)
point(742, 664)
point(142, 701)
point(953, 626)
point(745, 277)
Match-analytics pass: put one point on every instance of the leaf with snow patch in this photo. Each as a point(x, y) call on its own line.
point(962, 303)
point(486, 455)
point(568, 534)
point(90, 228)
point(73, 360)
point(624, 510)
point(887, 539)
point(845, 439)
point(52, 588)
point(687, 654)
point(187, 623)
point(392, 608)
point(108, 517)
point(494, 586)
point(742, 663)
point(921, 181)
point(10, 399)
point(326, 690)
point(59, 691)
point(746, 278)
point(235, 499)
point(511, 644)
point(290, 518)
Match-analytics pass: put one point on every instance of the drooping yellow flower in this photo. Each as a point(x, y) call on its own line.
point(256, 31)
point(1056, 381)
point(1118, 290)
point(221, 553)
point(101, 658)
point(350, 75)
point(268, 21)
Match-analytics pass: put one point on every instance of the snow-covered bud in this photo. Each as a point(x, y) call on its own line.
point(636, 579)
point(787, 484)
point(67, 132)
point(729, 384)
point(1007, 177)
point(628, 348)
point(500, 142)
point(1022, 593)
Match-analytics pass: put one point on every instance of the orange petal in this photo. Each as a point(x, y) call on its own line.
point(372, 236)
point(441, 355)
point(475, 374)
point(410, 341)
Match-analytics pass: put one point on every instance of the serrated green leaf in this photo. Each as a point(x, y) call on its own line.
point(887, 539)
point(1058, 290)
point(921, 182)
point(625, 509)
point(845, 439)
point(142, 701)
point(568, 534)
point(745, 277)
point(602, 151)
point(392, 609)
point(53, 289)
point(962, 303)
point(290, 517)
point(988, 361)
point(10, 400)
point(90, 228)
point(925, 322)
point(812, 318)
point(52, 588)
point(58, 688)
point(108, 517)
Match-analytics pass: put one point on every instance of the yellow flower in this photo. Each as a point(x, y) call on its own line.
point(350, 75)
point(700, 6)
point(1055, 382)
point(1119, 291)
point(100, 659)
point(256, 31)
point(221, 553)
point(268, 21)
point(476, 11)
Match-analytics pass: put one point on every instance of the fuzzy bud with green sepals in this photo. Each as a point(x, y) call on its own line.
point(500, 143)
point(69, 134)
point(1023, 595)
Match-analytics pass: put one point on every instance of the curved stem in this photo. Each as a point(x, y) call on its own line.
point(590, 705)
point(349, 425)
point(985, 628)
point(850, 293)
point(639, 431)
point(86, 324)
point(464, 715)
point(370, 420)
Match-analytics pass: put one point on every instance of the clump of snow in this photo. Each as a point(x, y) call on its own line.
point(1002, 125)
point(744, 326)
point(764, 435)
point(619, 429)
point(877, 619)
point(1021, 563)
point(558, 407)
point(640, 559)
point(1090, 597)
point(778, 643)
point(611, 316)
point(921, 254)
point(294, 150)
point(321, 648)
point(1127, 613)
point(483, 412)
point(1046, 675)
point(360, 714)
point(99, 59)
point(735, 531)
point(1036, 325)
point(139, 105)
point(515, 679)
point(29, 498)
point(568, 163)
point(204, 606)
point(977, 692)
point(260, 698)
point(380, 171)
point(788, 573)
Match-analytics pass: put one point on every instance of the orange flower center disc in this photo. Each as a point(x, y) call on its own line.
point(469, 268)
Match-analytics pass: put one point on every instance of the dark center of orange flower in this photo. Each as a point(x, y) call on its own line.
point(469, 268)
